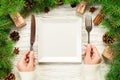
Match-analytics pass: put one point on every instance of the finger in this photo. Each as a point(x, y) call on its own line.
point(27, 60)
point(94, 49)
point(25, 55)
point(31, 59)
point(84, 53)
point(88, 50)
point(85, 44)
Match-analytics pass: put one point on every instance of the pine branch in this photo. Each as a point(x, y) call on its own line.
point(8, 6)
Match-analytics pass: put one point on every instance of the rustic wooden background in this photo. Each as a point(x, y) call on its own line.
point(60, 71)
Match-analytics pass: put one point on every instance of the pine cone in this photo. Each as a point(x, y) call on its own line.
point(29, 4)
point(46, 9)
point(108, 39)
point(14, 36)
point(16, 50)
point(10, 76)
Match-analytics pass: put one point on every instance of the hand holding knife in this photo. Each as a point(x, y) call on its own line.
point(32, 36)
point(28, 60)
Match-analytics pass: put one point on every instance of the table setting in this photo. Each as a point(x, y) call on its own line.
point(57, 37)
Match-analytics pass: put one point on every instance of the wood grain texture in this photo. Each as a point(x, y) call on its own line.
point(60, 71)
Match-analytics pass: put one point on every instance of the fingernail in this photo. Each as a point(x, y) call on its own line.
point(88, 45)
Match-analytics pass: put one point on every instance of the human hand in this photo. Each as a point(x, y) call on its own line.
point(91, 55)
point(27, 62)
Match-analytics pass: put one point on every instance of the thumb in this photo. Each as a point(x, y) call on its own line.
point(25, 55)
point(88, 50)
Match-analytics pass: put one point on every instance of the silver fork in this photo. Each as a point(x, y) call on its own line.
point(88, 24)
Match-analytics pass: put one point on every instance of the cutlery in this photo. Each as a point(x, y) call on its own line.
point(88, 24)
point(33, 32)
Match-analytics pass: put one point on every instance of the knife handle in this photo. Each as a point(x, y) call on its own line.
point(31, 48)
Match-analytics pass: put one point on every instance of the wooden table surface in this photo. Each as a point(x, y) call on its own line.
point(60, 71)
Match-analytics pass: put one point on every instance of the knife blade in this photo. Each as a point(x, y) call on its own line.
point(33, 32)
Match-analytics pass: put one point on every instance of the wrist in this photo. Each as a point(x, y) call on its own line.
point(90, 71)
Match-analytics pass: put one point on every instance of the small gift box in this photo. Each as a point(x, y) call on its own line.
point(18, 19)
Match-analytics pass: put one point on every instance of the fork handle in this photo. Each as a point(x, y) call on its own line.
point(88, 38)
point(31, 47)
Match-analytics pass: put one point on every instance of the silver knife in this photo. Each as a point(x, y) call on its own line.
point(33, 32)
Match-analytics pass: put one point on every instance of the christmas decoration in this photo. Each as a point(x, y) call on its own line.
point(81, 7)
point(6, 45)
point(108, 53)
point(111, 21)
point(29, 4)
point(17, 19)
point(108, 39)
point(46, 10)
point(98, 19)
point(10, 76)
point(16, 50)
point(14, 36)
point(92, 9)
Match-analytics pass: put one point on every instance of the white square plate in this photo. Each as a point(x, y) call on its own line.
point(59, 39)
